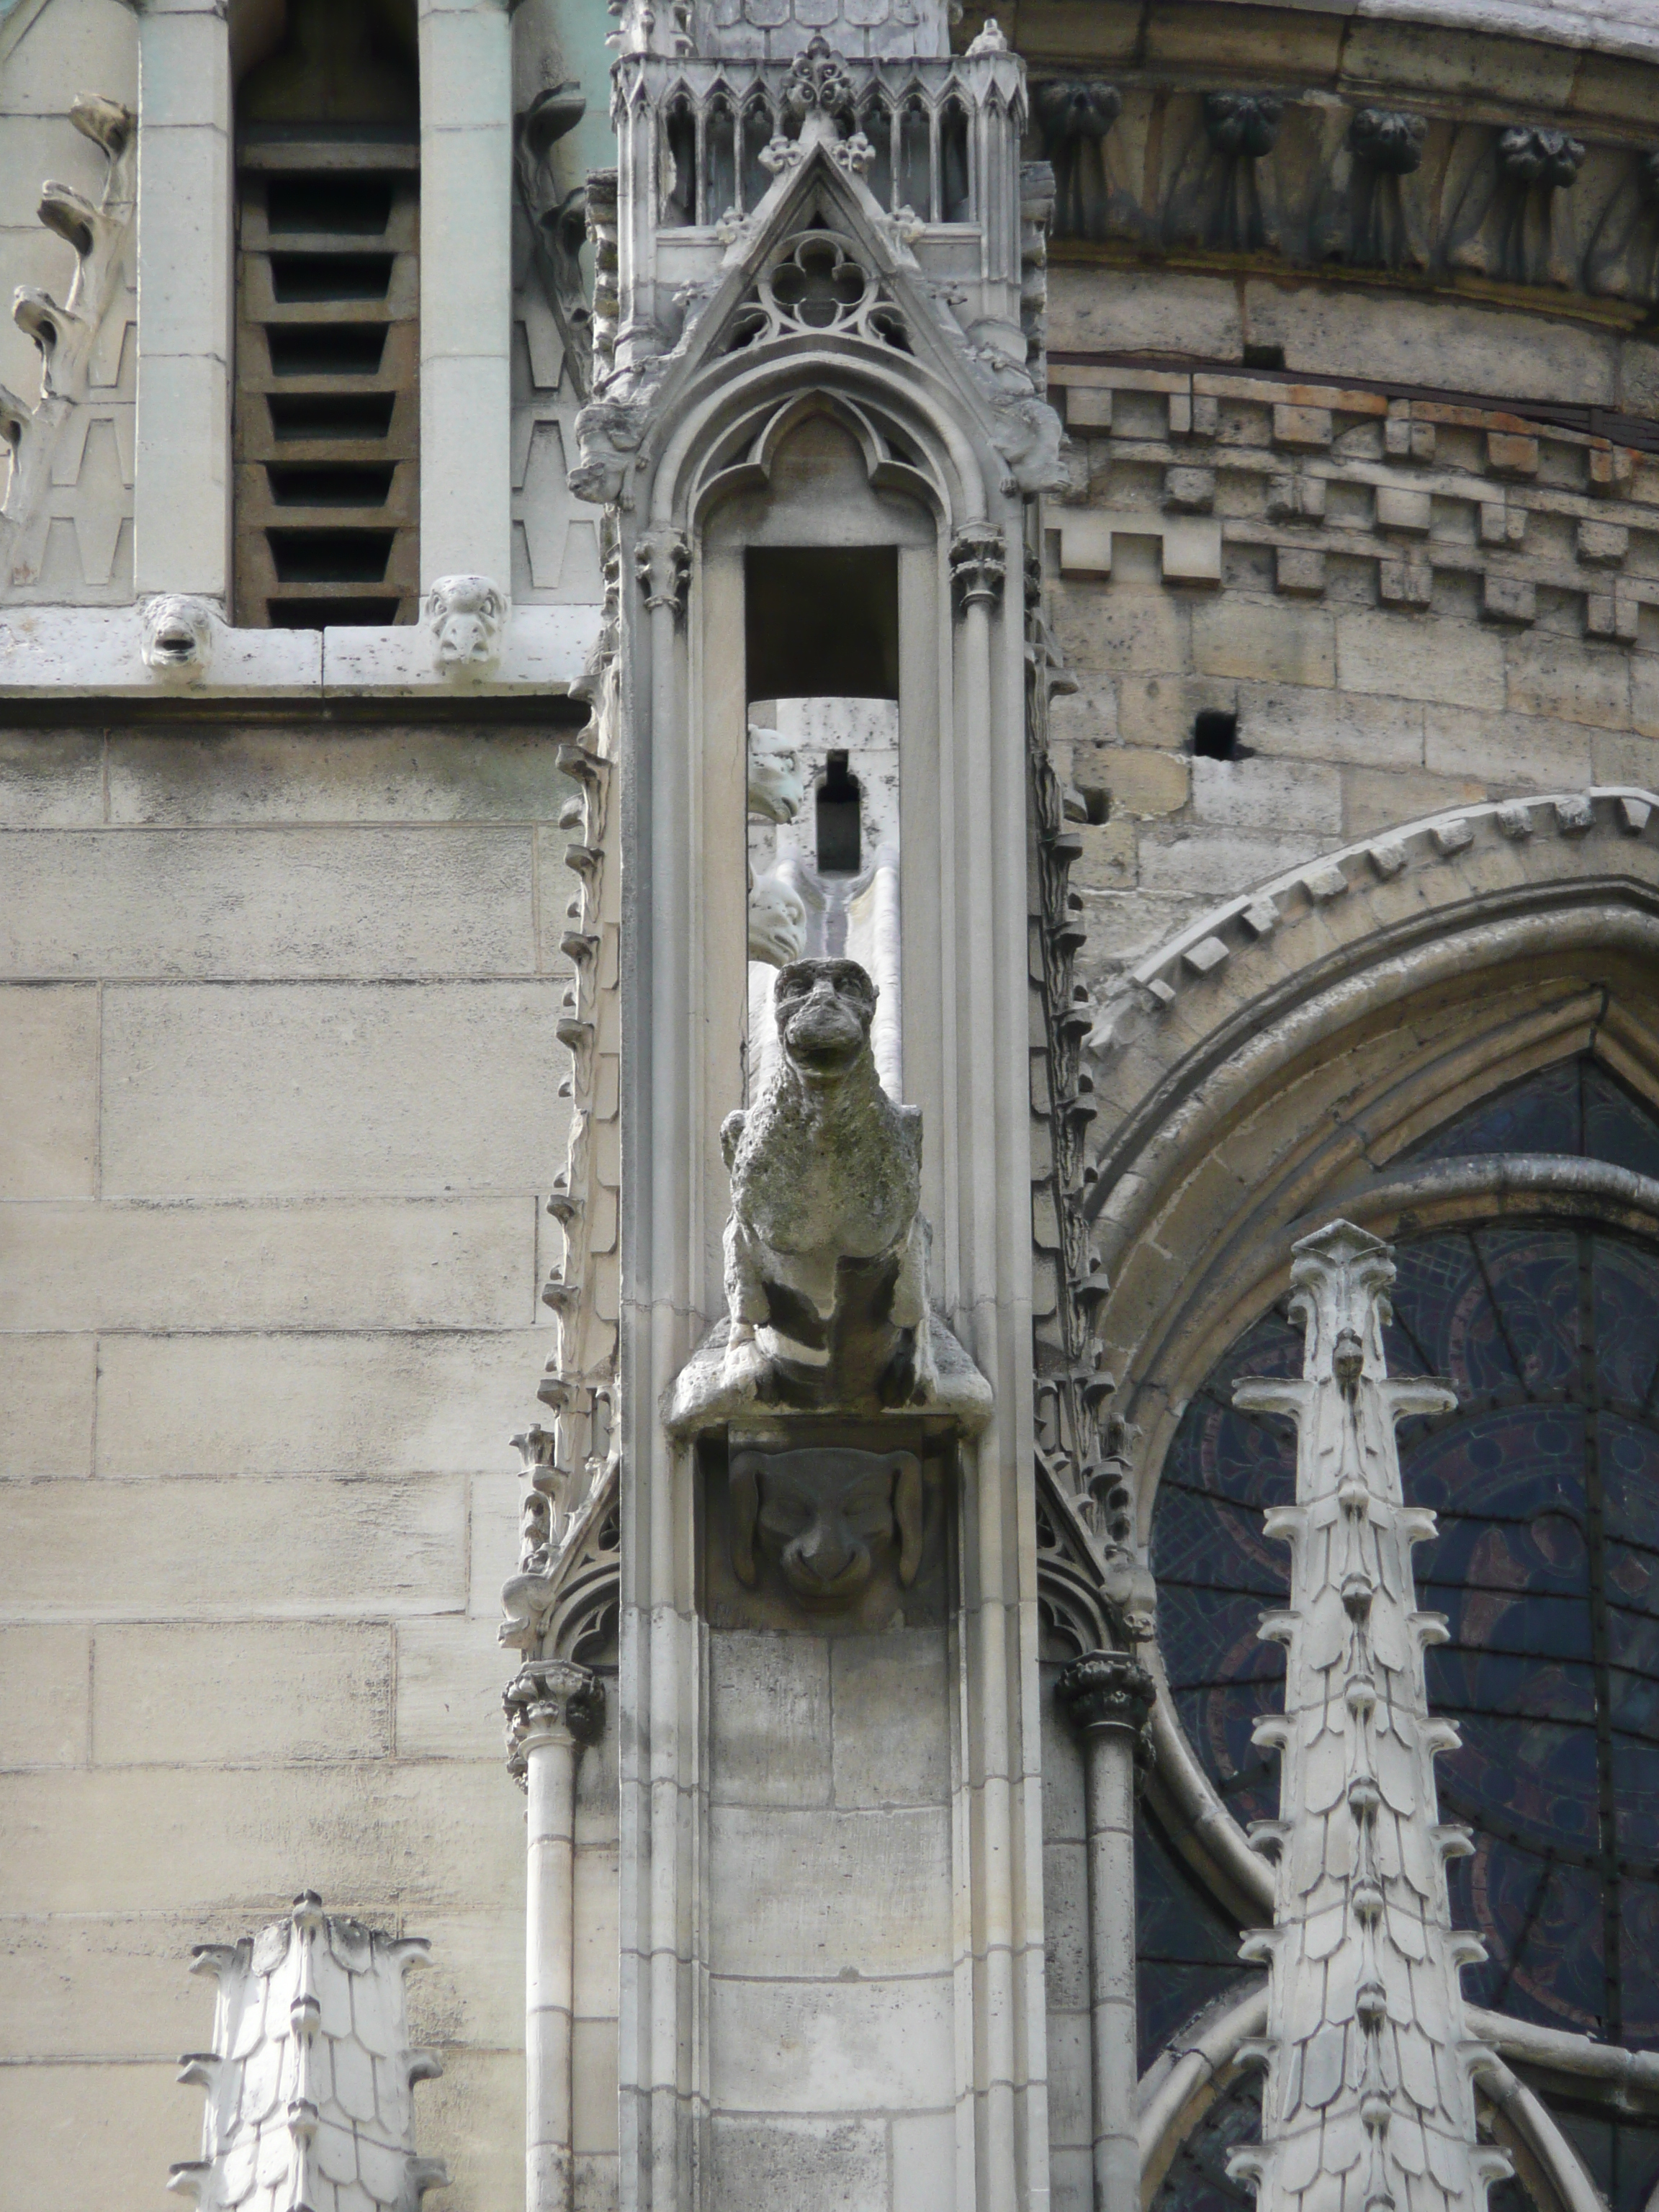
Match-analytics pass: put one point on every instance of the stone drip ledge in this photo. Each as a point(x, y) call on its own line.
point(59, 652)
point(1231, 933)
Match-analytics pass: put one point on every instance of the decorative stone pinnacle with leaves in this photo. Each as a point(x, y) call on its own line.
point(1369, 2057)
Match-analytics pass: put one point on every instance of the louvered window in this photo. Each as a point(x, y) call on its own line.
point(327, 430)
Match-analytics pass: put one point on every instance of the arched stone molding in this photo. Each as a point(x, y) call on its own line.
point(1277, 1055)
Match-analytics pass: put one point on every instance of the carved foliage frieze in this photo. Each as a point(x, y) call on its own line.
point(1170, 169)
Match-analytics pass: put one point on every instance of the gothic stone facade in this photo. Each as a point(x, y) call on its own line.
point(891, 778)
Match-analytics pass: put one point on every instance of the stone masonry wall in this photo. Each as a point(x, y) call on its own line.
point(1406, 605)
point(279, 1091)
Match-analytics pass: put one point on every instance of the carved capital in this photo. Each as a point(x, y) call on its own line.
point(978, 565)
point(1106, 1689)
point(662, 563)
point(549, 1701)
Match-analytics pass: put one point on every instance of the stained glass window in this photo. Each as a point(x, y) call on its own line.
point(1575, 1107)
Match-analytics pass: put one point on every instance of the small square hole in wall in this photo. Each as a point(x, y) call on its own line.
point(1096, 804)
point(1264, 356)
point(1215, 736)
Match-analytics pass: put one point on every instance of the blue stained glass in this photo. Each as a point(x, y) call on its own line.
point(1188, 1950)
point(1545, 1484)
point(1575, 1107)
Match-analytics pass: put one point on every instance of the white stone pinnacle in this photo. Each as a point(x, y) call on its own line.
point(1369, 2101)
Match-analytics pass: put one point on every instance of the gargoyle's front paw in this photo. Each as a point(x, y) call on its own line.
point(746, 1367)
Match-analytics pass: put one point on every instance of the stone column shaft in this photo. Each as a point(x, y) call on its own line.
point(1110, 1697)
point(555, 1708)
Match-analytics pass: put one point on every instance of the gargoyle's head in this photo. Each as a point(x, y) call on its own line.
point(777, 779)
point(777, 921)
point(827, 1517)
point(824, 1009)
point(178, 636)
point(468, 616)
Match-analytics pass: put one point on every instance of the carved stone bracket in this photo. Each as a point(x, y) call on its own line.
point(1376, 186)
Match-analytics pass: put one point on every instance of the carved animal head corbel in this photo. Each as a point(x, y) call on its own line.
point(468, 617)
point(177, 637)
point(826, 1516)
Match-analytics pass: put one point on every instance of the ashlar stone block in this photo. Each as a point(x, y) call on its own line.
point(47, 1389)
point(344, 1264)
point(220, 1090)
point(380, 1404)
point(45, 1713)
point(302, 902)
point(874, 2046)
point(811, 2166)
point(79, 1550)
point(48, 1092)
point(267, 1693)
point(769, 1718)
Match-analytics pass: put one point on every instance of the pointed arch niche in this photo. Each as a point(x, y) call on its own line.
point(804, 481)
point(1416, 1033)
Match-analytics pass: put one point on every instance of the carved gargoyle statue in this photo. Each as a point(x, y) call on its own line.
point(826, 1253)
point(829, 1517)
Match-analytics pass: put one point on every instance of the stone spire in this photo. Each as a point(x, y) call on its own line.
point(1369, 2104)
point(309, 2082)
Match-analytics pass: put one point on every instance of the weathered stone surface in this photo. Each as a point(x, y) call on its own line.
point(769, 1718)
point(82, 1552)
point(43, 1719)
point(892, 1734)
point(392, 1836)
point(1451, 663)
point(885, 2045)
point(264, 1694)
point(48, 1092)
point(453, 1086)
point(48, 1385)
point(51, 779)
point(816, 2166)
point(449, 1677)
point(128, 2123)
point(270, 902)
point(384, 1404)
point(255, 775)
point(783, 1885)
point(396, 1263)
